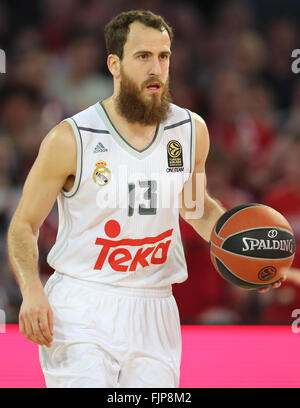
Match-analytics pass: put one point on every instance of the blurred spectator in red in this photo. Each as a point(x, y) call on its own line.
point(3, 24)
point(220, 175)
point(234, 129)
point(231, 20)
point(57, 22)
point(77, 82)
point(282, 38)
point(183, 90)
point(284, 196)
point(20, 120)
point(250, 54)
point(292, 119)
point(19, 108)
point(32, 68)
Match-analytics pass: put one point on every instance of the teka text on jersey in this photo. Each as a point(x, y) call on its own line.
point(127, 254)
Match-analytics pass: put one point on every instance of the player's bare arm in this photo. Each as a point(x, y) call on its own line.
point(212, 208)
point(54, 169)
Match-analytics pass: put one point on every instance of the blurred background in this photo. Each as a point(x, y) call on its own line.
point(231, 64)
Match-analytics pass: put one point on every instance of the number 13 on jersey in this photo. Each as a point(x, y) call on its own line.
point(144, 191)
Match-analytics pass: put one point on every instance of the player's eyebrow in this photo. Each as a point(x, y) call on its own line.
point(166, 52)
point(150, 52)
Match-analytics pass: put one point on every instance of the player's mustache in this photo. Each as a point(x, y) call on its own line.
point(151, 80)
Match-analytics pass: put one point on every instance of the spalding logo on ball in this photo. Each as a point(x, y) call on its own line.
point(250, 244)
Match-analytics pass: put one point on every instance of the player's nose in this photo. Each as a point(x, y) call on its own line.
point(155, 68)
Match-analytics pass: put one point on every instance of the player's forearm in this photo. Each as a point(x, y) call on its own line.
point(212, 212)
point(23, 255)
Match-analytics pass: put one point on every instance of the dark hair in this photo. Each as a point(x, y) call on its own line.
point(10, 90)
point(117, 29)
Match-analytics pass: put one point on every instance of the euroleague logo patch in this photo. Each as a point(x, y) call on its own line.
point(175, 160)
point(267, 273)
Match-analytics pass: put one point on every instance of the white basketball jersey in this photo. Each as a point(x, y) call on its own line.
point(119, 224)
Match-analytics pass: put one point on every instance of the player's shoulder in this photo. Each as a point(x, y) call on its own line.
point(176, 115)
point(59, 137)
point(178, 112)
point(200, 127)
point(199, 120)
point(58, 149)
point(57, 152)
point(201, 134)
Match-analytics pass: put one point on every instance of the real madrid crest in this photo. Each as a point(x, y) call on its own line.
point(101, 174)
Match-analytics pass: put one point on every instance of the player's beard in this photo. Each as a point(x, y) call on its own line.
point(135, 108)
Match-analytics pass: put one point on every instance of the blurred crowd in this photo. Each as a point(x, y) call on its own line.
point(231, 63)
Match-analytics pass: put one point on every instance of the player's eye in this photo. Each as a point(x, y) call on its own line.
point(143, 56)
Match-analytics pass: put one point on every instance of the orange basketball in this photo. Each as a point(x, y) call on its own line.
point(250, 243)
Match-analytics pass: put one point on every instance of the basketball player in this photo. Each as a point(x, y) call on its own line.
point(107, 317)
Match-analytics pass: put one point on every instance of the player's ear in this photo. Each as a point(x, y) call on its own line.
point(114, 65)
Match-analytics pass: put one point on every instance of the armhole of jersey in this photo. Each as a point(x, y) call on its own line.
point(78, 139)
point(192, 142)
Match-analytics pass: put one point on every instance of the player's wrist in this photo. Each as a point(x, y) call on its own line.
point(31, 287)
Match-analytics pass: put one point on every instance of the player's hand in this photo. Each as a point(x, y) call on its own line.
point(292, 274)
point(275, 285)
point(36, 317)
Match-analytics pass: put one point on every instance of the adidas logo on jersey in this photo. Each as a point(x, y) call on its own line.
point(99, 148)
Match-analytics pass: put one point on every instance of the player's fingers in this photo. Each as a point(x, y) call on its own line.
point(27, 328)
point(21, 325)
point(276, 285)
point(38, 336)
point(264, 290)
point(45, 329)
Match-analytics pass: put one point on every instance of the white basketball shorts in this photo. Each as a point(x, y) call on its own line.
point(106, 336)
